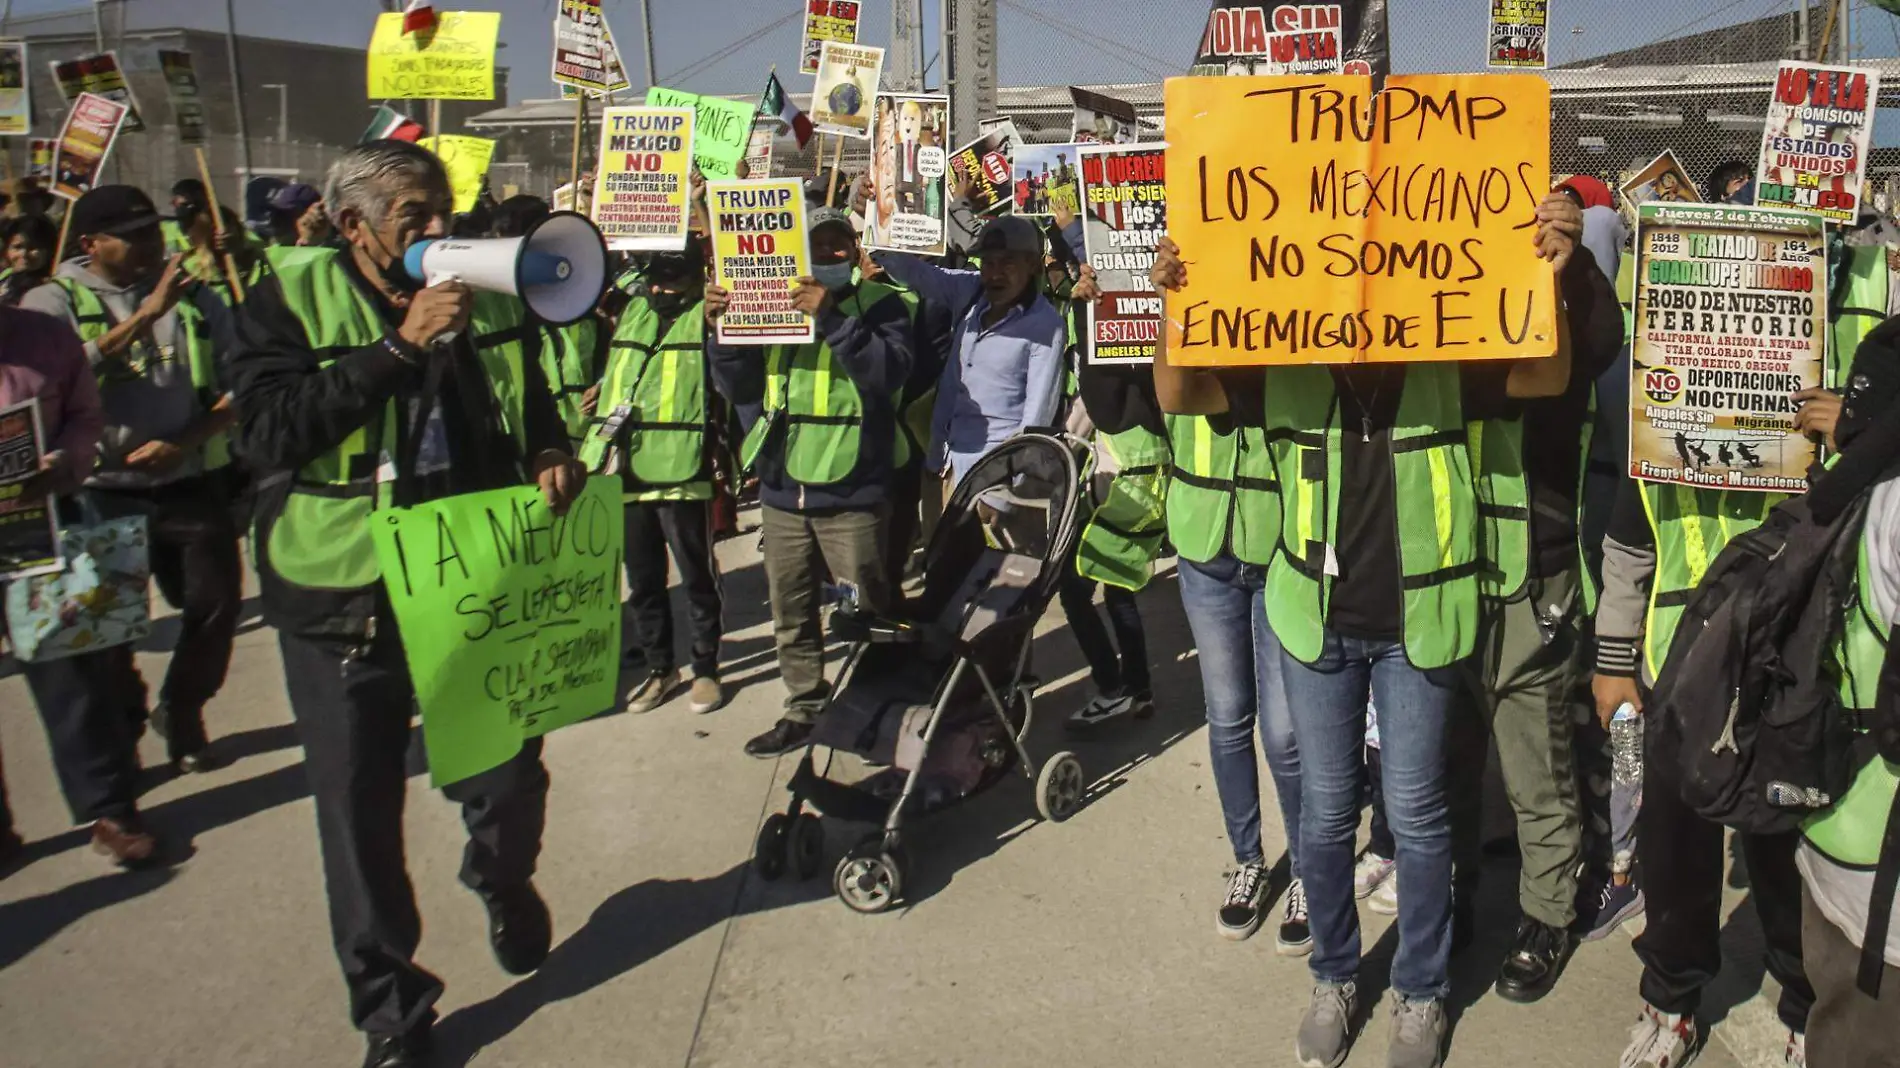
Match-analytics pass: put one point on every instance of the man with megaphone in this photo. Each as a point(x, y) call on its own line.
point(360, 389)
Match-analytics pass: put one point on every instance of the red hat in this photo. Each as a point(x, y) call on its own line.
point(1591, 191)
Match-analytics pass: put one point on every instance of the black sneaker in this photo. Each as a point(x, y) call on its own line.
point(519, 928)
point(1535, 962)
point(1239, 915)
point(1296, 933)
point(785, 736)
point(409, 1050)
point(1609, 908)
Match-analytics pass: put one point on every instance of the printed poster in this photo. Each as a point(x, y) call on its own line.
point(1814, 144)
point(908, 164)
point(1731, 322)
point(455, 62)
point(29, 533)
point(1125, 191)
point(1519, 35)
point(510, 617)
point(616, 71)
point(84, 141)
point(1102, 120)
point(760, 249)
point(826, 20)
point(99, 75)
point(1294, 38)
point(1301, 258)
point(580, 46)
point(758, 147)
point(846, 89)
point(642, 190)
point(1662, 180)
point(466, 159)
point(983, 166)
point(721, 129)
point(1044, 180)
point(39, 157)
point(181, 85)
point(16, 101)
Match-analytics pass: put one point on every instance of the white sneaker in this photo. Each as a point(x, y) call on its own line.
point(1371, 873)
point(1660, 1040)
point(1385, 900)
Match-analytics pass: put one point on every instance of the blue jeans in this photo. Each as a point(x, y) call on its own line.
point(1328, 698)
point(1241, 683)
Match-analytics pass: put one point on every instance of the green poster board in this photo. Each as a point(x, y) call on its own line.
point(510, 616)
point(721, 129)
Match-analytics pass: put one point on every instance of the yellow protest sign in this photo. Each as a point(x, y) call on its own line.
point(642, 188)
point(760, 248)
point(1324, 224)
point(466, 159)
point(455, 61)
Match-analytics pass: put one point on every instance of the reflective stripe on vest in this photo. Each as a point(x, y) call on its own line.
point(1200, 498)
point(1435, 497)
point(1504, 513)
point(818, 406)
point(1691, 528)
point(567, 356)
point(662, 382)
point(1123, 535)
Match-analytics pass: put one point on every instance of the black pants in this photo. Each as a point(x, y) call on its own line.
point(685, 526)
point(90, 704)
point(1110, 672)
point(900, 530)
point(353, 716)
point(1680, 858)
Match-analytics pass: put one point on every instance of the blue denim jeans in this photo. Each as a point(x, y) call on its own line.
point(1328, 698)
point(1241, 682)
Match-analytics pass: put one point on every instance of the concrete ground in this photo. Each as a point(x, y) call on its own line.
point(1022, 943)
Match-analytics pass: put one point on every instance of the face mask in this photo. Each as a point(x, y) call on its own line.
point(667, 303)
point(833, 276)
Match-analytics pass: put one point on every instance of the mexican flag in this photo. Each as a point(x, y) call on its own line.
point(390, 124)
point(779, 105)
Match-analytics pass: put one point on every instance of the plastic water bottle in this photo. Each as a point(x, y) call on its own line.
point(1626, 745)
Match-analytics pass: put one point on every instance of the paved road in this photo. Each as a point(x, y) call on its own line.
point(1024, 943)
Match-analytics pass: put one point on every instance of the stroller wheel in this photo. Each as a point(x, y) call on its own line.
point(768, 854)
point(807, 845)
point(1059, 787)
point(868, 879)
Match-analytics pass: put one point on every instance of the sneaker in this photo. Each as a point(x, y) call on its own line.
point(1614, 906)
point(1418, 1033)
point(1296, 934)
point(1239, 915)
point(1536, 960)
point(1371, 873)
point(125, 841)
point(1101, 709)
point(1326, 1031)
point(706, 695)
point(785, 736)
point(1660, 1040)
point(1385, 900)
point(1797, 1053)
point(653, 691)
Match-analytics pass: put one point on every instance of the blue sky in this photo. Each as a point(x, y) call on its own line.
point(1041, 43)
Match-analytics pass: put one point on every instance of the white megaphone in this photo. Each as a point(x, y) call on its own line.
point(558, 268)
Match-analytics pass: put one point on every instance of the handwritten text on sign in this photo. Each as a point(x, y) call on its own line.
point(510, 617)
point(1324, 224)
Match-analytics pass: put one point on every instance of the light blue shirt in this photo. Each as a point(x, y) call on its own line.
point(1001, 379)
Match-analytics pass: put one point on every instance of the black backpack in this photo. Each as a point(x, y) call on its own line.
point(1748, 703)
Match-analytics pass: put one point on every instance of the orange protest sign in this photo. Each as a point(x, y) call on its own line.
point(1323, 224)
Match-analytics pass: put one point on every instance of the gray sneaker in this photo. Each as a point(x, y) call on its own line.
point(653, 691)
point(1418, 1033)
point(1326, 1033)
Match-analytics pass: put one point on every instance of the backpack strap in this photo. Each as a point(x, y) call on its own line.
point(1873, 943)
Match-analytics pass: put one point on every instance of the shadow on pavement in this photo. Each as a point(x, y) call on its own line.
point(28, 924)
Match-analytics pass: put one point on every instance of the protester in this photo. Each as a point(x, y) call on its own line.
point(824, 460)
point(212, 252)
point(296, 217)
point(655, 424)
point(340, 350)
point(156, 342)
point(1730, 183)
point(28, 241)
point(188, 195)
point(27, 197)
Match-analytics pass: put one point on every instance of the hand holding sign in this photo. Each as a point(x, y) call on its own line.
point(1559, 228)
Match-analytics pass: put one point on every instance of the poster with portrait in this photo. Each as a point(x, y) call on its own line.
point(1102, 120)
point(85, 140)
point(1814, 143)
point(16, 101)
point(845, 92)
point(1125, 212)
point(909, 159)
point(1663, 181)
point(983, 166)
point(1043, 181)
point(826, 20)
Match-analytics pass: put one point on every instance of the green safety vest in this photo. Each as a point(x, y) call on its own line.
point(567, 362)
point(913, 413)
point(1439, 540)
point(1124, 533)
point(1691, 527)
point(662, 383)
point(95, 322)
point(321, 538)
point(1504, 507)
point(820, 407)
point(1224, 494)
point(1863, 306)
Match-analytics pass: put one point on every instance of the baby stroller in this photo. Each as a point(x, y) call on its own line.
point(940, 699)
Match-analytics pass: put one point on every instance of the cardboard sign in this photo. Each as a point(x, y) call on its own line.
point(510, 617)
point(826, 20)
point(1125, 212)
point(1102, 120)
point(580, 46)
point(466, 159)
point(846, 89)
point(1519, 34)
point(721, 129)
point(1329, 225)
point(181, 85)
point(1293, 38)
point(984, 166)
point(1731, 322)
point(84, 142)
point(1043, 179)
point(16, 98)
point(454, 62)
point(643, 190)
point(29, 534)
point(1814, 144)
point(99, 75)
point(760, 247)
point(908, 165)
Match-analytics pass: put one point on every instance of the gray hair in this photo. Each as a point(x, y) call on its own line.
point(366, 178)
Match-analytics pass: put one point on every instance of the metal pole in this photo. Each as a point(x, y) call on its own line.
point(1801, 31)
point(646, 30)
point(237, 93)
